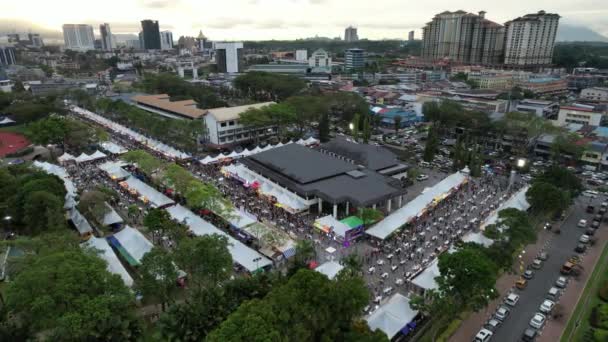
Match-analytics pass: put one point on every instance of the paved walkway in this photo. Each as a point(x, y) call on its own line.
point(504, 284)
point(569, 299)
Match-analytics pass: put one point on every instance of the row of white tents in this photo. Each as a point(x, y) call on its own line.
point(82, 158)
point(60, 172)
point(149, 142)
point(257, 149)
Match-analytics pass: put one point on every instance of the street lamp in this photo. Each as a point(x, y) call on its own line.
point(521, 163)
point(351, 126)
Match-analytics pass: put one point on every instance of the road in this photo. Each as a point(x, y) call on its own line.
point(560, 248)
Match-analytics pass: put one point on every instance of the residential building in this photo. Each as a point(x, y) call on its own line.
point(582, 78)
point(543, 109)
point(530, 39)
point(224, 128)
point(350, 34)
point(78, 37)
point(150, 34)
point(229, 57)
point(410, 36)
point(7, 55)
point(354, 59)
point(593, 153)
point(577, 114)
point(166, 40)
point(13, 38)
point(162, 105)
point(463, 37)
point(319, 59)
point(35, 40)
point(107, 40)
point(301, 55)
point(133, 44)
point(598, 94)
point(545, 85)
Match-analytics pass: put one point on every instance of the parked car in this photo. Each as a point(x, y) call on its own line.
point(582, 223)
point(492, 324)
point(584, 238)
point(561, 282)
point(590, 209)
point(580, 248)
point(538, 320)
point(553, 293)
point(543, 256)
point(537, 264)
point(422, 177)
point(529, 274)
point(521, 283)
point(484, 335)
point(547, 306)
point(590, 193)
point(512, 299)
point(590, 231)
point(502, 313)
point(529, 335)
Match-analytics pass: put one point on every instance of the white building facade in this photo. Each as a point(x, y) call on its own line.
point(229, 57)
point(599, 94)
point(302, 55)
point(78, 37)
point(107, 40)
point(166, 40)
point(579, 115)
point(530, 39)
point(224, 128)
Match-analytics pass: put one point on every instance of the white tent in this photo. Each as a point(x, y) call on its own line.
point(111, 217)
point(134, 242)
point(392, 316)
point(6, 121)
point(105, 252)
point(517, 201)
point(412, 209)
point(311, 141)
point(80, 222)
point(233, 154)
point(257, 149)
point(246, 153)
point(98, 155)
point(301, 142)
point(65, 157)
point(156, 198)
point(113, 147)
point(83, 157)
point(330, 269)
point(207, 160)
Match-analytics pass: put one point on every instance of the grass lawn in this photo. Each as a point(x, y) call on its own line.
point(588, 301)
point(16, 129)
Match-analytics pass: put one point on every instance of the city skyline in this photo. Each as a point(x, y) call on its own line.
point(251, 19)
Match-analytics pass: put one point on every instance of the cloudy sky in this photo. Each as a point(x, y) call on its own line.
point(282, 19)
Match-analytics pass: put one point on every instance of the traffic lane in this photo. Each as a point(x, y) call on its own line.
point(560, 247)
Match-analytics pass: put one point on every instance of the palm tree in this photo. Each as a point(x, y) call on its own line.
point(352, 264)
point(397, 120)
point(305, 250)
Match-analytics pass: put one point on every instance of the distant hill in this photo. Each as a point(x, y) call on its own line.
point(571, 33)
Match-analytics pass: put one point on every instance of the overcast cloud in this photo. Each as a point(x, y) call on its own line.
point(284, 19)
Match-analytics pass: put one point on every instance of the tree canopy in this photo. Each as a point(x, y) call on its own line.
point(264, 86)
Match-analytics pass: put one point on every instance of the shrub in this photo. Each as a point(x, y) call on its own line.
point(600, 335)
point(603, 292)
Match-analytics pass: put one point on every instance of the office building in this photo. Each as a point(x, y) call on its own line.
point(410, 36)
point(463, 37)
point(580, 114)
point(598, 94)
point(319, 59)
point(224, 128)
point(35, 40)
point(107, 40)
point(543, 109)
point(7, 55)
point(354, 59)
point(78, 37)
point(302, 55)
point(229, 57)
point(13, 38)
point(150, 35)
point(350, 34)
point(530, 39)
point(133, 44)
point(162, 105)
point(166, 40)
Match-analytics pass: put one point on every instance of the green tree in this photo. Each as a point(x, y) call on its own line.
point(206, 259)
point(42, 212)
point(547, 198)
point(267, 86)
point(158, 276)
point(355, 130)
point(468, 277)
point(80, 299)
point(158, 220)
point(324, 128)
point(144, 161)
point(369, 215)
point(432, 144)
point(307, 109)
point(397, 120)
point(367, 130)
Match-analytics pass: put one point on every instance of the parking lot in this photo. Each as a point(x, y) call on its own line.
point(559, 247)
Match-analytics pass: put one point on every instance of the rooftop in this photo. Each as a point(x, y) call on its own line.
point(185, 108)
point(370, 156)
point(310, 172)
point(233, 113)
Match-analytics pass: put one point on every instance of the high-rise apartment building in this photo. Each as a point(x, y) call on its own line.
point(107, 40)
point(410, 36)
point(463, 37)
point(354, 59)
point(229, 57)
point(7, 55)
point(150, 34)
point(350, 34)
point(530, 39)
point(166, 40)
point(78, 37)
point(35, 40)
